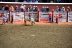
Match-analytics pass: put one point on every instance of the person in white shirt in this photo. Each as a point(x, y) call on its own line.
point(22, 8)
point(63, 9)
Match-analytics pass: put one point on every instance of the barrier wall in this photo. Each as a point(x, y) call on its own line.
point(63, 17)
point(18, 17)
point(40, 16)
point(3, 15)
point(44, 16)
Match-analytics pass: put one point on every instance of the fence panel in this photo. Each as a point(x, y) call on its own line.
point(18, 17)
point(3, 14)
point(70, 16)
point(44, 16)
point(62, 19)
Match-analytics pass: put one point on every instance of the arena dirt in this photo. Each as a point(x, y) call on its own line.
point(37, 36)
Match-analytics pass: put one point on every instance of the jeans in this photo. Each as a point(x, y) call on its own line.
point(7, 20)
point(50, 19)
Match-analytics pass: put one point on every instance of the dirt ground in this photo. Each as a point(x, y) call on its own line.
point(37, 36)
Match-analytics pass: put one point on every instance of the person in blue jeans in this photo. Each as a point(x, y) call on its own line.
point(7, 17)
point(50, 17)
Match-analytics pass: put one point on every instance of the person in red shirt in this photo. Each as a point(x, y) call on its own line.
point(29, 16)
point(50, 17)
point(57, 18)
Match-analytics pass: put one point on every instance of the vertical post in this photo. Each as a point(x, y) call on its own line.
point(67, 16)
point(9, 15)
point(24, 14)
point(38, 15)
point(52, 14)
point(9, 12)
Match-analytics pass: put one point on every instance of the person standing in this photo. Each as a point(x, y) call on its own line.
point(16, 9)
point(50, 17)
point(57, 18)
point(7, 17)
point(22, 8)
point(6, 8)
point(2, 8)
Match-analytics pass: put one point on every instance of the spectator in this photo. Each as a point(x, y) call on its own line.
point(57, 8)
point(33, 0)
point(30, 8)
point(2, 8)
point(63, 9)
point(16, 9)
point(60, 8)
point(47, 9)
point(12, 8)
point(34, 8)
point(69, 9)
point(43, 9)
point(36, 1)
point(59, 1)
point(7, 8)
point(27, 0)
point(22, 8)
point(27, 9)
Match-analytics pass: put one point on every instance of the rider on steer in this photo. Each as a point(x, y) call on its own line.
point(31, 19)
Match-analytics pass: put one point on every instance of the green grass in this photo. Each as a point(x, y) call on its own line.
point(45, 36)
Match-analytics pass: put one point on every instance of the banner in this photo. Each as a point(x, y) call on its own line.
point(70, 16)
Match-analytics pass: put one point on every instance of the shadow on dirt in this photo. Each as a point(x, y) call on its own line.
point(27, 25)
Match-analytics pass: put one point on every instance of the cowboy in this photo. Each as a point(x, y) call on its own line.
point(57, 18)
point(50, 17)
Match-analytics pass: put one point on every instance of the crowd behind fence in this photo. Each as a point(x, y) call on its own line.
point(42, 15)
point(34, 8)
